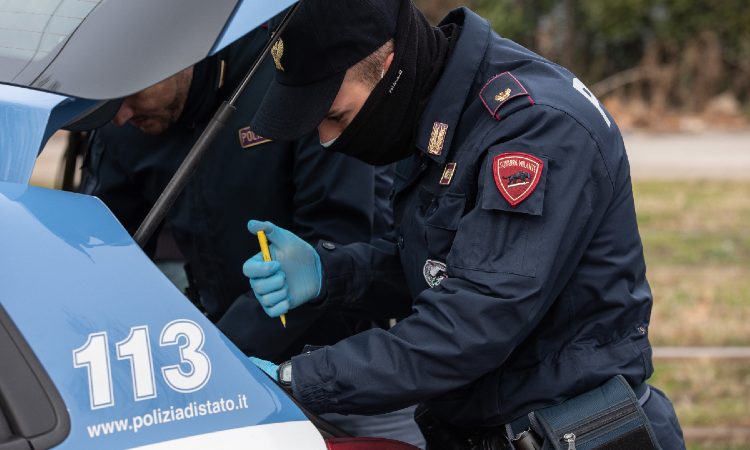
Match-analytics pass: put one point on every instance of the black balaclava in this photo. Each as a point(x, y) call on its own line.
point(384, 130)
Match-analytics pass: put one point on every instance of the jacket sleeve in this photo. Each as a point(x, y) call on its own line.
point(364, 279)
point(341, 200)
point(505, 267)
point(336, 199)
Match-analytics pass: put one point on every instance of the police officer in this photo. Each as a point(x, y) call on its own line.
point(316, 194)
point(516, 241)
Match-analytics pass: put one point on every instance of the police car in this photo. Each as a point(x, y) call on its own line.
point(98, 350)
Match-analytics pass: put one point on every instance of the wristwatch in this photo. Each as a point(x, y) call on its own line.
point(285, 374)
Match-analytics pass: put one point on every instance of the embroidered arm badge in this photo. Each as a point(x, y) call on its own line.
point(516, 175)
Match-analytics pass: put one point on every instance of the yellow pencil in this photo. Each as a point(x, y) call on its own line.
point(263, 240)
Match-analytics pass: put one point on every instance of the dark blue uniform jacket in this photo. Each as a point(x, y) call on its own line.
point(537, 302)
point(317, 194)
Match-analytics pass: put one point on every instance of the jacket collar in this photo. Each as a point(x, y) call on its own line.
point(438, 123)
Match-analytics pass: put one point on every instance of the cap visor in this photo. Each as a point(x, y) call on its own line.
point(290, 112)
point(97, 117)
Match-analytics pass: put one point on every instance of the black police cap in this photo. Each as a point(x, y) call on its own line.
point(322, 41)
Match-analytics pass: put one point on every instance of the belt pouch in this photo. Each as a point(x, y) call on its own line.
point(606, 418)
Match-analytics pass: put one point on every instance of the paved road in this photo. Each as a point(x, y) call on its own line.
point(724, 155)
point(718, 155)
point(682, 353)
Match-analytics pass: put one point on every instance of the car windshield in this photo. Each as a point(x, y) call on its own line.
point(30, 31)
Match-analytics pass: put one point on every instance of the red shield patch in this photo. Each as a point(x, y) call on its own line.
point(516, 175)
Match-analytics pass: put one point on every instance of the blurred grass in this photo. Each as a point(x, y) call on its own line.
point(696, 237)
point(707, 392)
point(717, 446)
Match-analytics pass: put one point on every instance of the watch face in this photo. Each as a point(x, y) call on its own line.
point(285, 373)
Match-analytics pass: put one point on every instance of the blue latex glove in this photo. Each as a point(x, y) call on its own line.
point(293, 277)
point(271, 369)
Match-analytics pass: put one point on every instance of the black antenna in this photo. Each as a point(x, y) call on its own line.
point(187, 168)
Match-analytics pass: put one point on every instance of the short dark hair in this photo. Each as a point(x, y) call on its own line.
point(370, 69)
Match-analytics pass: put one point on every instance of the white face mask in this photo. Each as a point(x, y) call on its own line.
point(329, 143)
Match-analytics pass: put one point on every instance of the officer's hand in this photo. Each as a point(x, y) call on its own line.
point(271, 369)
point(291, 279)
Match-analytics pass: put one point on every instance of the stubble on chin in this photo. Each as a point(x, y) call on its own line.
point(153, 126)
point(156, 124)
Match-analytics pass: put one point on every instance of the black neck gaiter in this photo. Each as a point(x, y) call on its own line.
point(383, 131)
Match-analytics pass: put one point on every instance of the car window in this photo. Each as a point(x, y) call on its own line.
point(32, 413)
point(30, 31)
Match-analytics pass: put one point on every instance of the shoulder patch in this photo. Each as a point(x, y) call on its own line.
point(499, 91)
point(516, 175)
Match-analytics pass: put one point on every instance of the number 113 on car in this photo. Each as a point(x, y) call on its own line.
point(94, 355)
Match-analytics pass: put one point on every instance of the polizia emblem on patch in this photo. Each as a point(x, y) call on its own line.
point(516, 175)
point(277, 52)
point(434, 272)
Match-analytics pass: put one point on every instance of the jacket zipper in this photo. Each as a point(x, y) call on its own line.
point(575, 434)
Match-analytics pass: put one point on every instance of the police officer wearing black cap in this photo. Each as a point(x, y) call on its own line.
point(516, 244)
point(316, 194)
